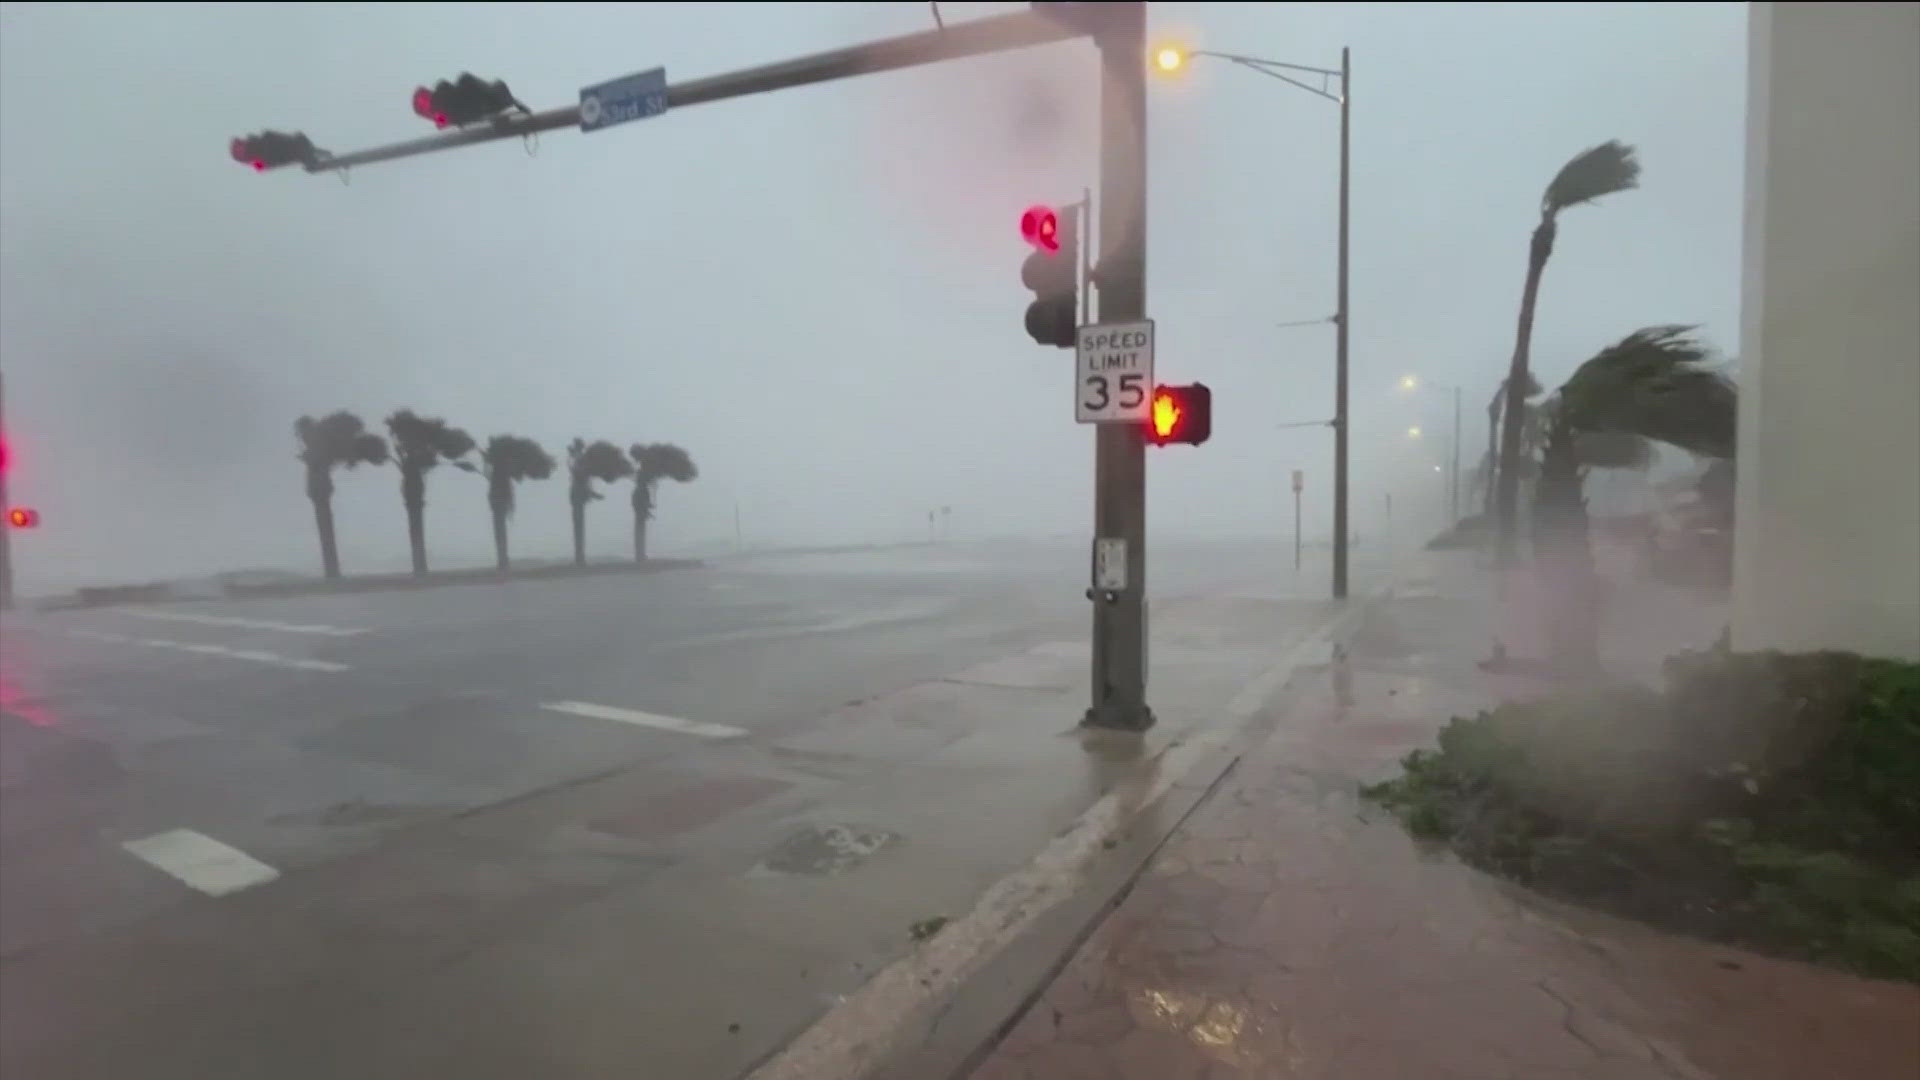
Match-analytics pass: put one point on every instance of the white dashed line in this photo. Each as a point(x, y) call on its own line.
point(201, 861)
point(245, 624)
point(644, 719)
point(204, 649)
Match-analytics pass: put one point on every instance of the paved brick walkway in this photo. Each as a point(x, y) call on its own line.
point(1289, 930)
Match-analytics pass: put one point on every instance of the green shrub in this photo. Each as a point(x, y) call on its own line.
point(1769, 799)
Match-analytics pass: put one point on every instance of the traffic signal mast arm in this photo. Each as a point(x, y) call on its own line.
point(973, 38)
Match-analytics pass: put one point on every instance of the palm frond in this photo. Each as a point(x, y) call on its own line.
point(662, 461)
point(1656, 383)
point(1604, 170)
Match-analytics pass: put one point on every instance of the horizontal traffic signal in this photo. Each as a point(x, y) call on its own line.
point(1180, 414)
point(272, 149)
point(22, 517)
point(463, 101)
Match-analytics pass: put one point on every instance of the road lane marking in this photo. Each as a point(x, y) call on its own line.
point(645, 719)
point(205, 619)
point(205, 649)
point(201, 862)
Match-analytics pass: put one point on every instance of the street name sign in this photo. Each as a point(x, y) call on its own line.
point(1113, 373)
point(630, 97)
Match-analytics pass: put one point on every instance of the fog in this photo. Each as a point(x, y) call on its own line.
point(815, 292)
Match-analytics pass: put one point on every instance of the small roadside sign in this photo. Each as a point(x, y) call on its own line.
point(1299, 481)
point(1113, 373)
point(1110, 564)
point(630, 97)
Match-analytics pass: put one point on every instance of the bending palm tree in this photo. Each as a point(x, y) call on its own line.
point(1489, 466)
point(419, 444)
point(337, 440)
point(1601, 171)
point(1651, 386)
point(652, 463)
point(586, 462)
point(507, 460)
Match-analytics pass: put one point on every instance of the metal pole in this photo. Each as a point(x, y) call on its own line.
point(1296, 532)
point(6, 530)
point(1340, 350)
point(1120, 488)
point(975, 37)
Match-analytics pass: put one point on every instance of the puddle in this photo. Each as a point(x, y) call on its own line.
point(824, 850)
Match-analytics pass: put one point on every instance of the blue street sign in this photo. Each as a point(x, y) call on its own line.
point(631, 97)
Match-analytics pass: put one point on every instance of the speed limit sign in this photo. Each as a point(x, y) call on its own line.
point(1113, 373)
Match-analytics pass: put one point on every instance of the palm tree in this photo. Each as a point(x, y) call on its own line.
point(419, 444)
point(1654, 385)
point(507, 460)
point(586, 462)
point(1604, 170)
point(652, 463)
point(337, 440)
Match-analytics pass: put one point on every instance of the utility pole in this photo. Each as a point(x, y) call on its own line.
point(1120, 450)
point(1296, 530)
point(1344, 314)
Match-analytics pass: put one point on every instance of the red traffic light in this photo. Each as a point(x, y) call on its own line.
point(21, 517)
point(272, 149)
point(1040, 226)
point(242, 152)
point(423, 107)
point(1180, 414)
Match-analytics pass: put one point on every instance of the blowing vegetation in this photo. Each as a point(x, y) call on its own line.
point(1767, 800)
point(416, 445)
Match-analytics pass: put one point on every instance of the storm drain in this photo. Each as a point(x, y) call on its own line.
point(823, 850)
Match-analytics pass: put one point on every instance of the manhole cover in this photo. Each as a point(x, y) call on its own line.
point(820, 850)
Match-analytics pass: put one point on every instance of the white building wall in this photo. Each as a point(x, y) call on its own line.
point(1827, 545)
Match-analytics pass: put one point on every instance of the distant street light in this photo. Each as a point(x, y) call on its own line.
point(1410, 383)
point(1169, 59)
point(1413, 432)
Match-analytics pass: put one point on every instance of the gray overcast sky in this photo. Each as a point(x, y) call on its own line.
point(816, 291)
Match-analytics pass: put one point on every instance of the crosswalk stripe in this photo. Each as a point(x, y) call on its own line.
point(645, 719)
point(201, 861)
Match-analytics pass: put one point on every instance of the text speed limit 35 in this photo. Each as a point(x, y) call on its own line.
point(1113, 373)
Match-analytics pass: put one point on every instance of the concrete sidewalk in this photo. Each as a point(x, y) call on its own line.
point(1289, 929)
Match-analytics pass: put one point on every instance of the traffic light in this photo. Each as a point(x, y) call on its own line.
point(21, 517)
point(272, 149)
point(1180, 414)
point(1052, 271)
point(463, 101)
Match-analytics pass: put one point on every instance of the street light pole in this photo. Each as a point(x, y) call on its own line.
point(1171, 59)
point(1343, 313)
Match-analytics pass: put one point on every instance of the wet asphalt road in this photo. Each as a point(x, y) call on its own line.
point(220, 823)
